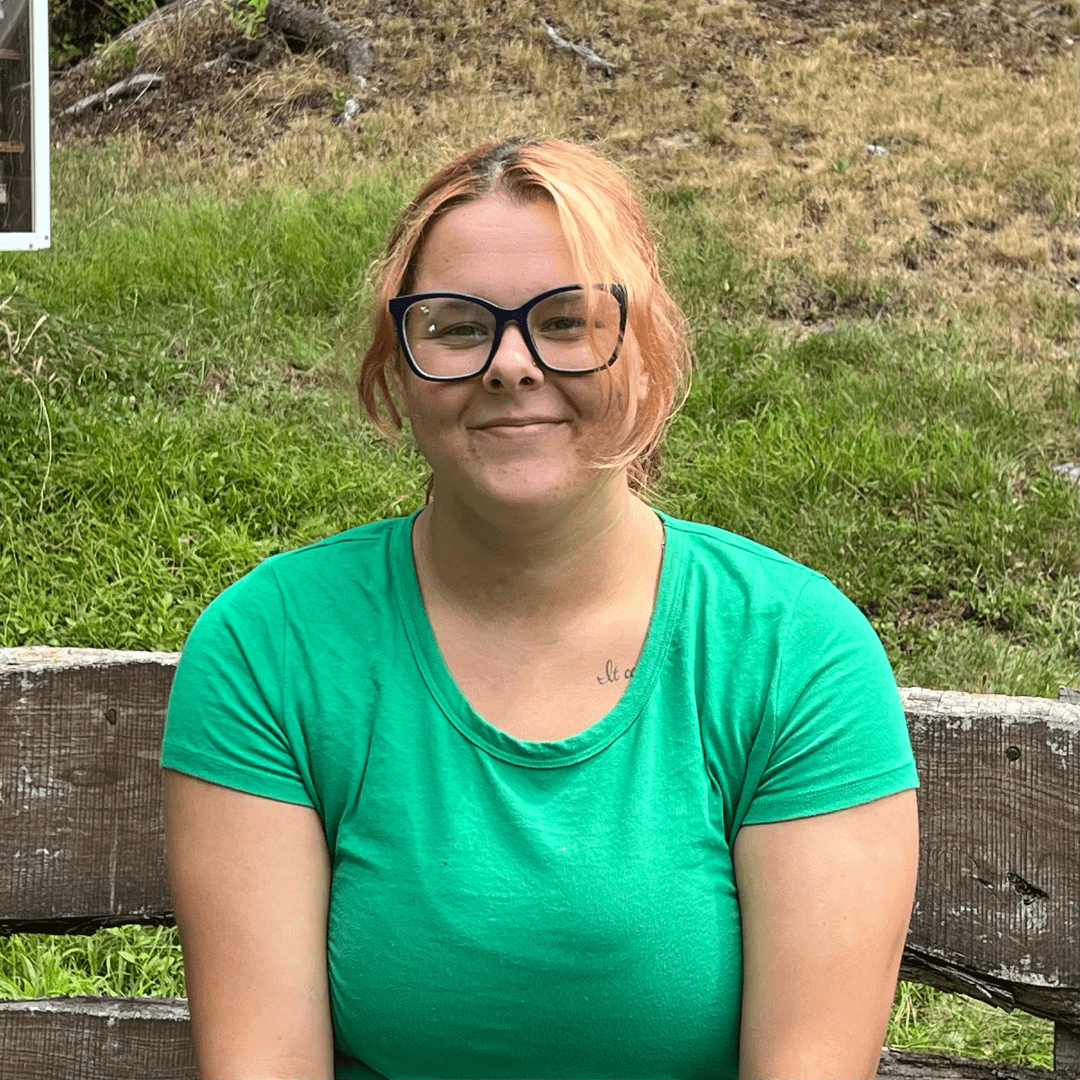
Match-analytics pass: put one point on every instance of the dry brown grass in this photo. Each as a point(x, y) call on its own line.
point(972, 206)
point(973, 201)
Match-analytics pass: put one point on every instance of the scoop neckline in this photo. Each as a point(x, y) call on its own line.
point(493, 740)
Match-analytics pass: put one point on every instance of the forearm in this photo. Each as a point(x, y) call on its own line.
point(262, 1030)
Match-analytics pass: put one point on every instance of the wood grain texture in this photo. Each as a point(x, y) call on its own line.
point(1067, 1050)
point(103, 1039)
point(911, 1065)
point(997, 910)
point(81, 835)
point(96, 1039)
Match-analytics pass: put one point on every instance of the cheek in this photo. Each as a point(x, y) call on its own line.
point(410, 393)
point(431, 409)
point(399, 379)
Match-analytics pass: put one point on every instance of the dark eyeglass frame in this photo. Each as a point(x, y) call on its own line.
point(399, 305)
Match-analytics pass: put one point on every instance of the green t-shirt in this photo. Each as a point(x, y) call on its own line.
point(502, 908)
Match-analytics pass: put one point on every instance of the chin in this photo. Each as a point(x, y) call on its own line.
point(524, 487)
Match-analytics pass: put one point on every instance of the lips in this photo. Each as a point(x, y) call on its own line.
point(517, 422)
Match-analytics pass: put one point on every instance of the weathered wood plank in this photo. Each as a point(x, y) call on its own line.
point(999, 872)
point(96, 1039)
point(121, 1038)
point(81, 835)
point(1067, 1050)
point(911, 1065)
point(1062, 1003)
point(997, 908)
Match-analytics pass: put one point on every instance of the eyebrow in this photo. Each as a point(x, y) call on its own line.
point(566, 299)
point(449, 303)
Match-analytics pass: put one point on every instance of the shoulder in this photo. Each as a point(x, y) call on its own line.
point(804, 715)
point(363, 541)
point(710, 544)
point(312, 585)
point(770, 615)
point(356, 553)
point(736, 572)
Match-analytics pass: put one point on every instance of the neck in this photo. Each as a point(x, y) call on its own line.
point(522, 564)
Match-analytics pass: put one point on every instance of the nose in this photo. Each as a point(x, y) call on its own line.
point(512, 365)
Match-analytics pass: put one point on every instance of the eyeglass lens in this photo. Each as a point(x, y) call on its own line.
point(451, 337)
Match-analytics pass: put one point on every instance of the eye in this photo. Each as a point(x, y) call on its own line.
point(447, 324)
point(459, 334)
point(564, 326)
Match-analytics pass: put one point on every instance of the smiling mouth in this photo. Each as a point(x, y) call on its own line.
point(518, 427)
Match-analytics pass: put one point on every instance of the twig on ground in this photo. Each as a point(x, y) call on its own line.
point(583, 52)
point(135, 84)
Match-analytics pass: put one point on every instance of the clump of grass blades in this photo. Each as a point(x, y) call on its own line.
point(128, 961)
point(934, 1022)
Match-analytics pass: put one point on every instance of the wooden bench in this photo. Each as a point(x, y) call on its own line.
point(997, 913)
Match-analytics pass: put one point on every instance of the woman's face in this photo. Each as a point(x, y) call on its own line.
point(516, 436)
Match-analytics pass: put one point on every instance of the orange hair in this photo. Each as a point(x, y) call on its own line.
point(609, 241)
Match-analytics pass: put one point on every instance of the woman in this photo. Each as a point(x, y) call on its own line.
point(537, 782)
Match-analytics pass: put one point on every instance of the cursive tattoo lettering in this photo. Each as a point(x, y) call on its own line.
point(613, 673)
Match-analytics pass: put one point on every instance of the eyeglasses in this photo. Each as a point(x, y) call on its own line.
point(569, 330)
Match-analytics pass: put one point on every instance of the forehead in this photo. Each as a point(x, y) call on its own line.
point(495, 247)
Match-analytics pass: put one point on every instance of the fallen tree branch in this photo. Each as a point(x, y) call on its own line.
point(135, 84)
point(583, 52)
point(319, 31)
point(314, 29)
point(164, 16)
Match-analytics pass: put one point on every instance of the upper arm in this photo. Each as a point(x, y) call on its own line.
point(825, 903)
point(250, 879)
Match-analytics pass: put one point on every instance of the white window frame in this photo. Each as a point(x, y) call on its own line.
point(38, 237)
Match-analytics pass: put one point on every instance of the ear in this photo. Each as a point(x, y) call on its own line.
point(638, 375)
point(642, 381)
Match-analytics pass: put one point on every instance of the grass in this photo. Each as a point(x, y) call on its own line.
point(972, 206)
point(147, 468)
point(133, 961)
point(180, 414)
point(933, 1022)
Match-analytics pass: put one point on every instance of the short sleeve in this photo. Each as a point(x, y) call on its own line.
point(224, 721)
point(835, 733)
